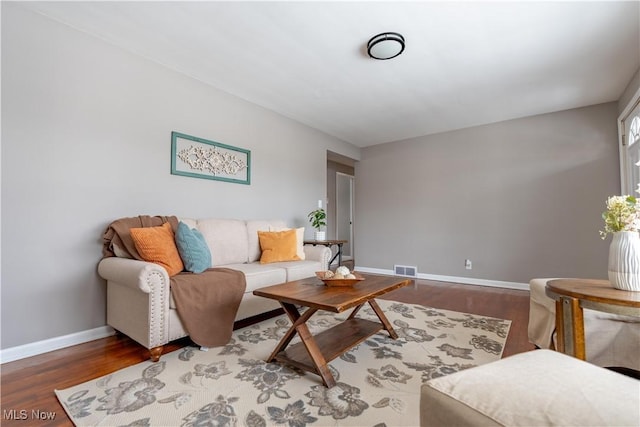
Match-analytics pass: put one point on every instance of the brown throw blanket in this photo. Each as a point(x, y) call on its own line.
point(117, 233)
point(207, 303)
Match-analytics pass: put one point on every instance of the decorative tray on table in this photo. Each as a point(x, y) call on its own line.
point(338, 278)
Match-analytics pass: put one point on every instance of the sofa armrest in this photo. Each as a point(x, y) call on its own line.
point(318, 253)
point(135, 274)
point(138, 296)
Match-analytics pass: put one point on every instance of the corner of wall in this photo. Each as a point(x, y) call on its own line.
point(630, 92)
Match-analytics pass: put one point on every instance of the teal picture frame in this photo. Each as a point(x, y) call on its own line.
point(201, 158)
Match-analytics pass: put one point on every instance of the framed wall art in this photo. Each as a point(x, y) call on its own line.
point(201, 158)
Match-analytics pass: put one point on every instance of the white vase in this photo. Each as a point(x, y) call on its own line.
point(320, 235)
point(624, 261)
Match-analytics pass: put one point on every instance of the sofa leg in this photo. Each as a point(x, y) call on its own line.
point(155, 353)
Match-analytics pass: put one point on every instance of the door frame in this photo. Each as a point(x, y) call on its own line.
point(622, 147)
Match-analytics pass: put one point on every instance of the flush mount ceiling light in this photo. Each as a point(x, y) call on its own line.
point(385, 46)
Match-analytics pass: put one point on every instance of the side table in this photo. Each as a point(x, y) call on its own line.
point(573, 295)
point(329, 243)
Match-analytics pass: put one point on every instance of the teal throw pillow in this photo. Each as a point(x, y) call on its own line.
point(193, 249)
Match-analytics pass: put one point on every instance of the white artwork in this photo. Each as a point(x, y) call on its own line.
point(200, 158)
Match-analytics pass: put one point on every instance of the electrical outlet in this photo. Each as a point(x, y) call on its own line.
point(467, 264)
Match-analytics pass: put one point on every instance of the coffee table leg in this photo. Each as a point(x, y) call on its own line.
point(296, 320)
point(317, 358)
point(355, 311)
point(300, 327)
point(385, 322)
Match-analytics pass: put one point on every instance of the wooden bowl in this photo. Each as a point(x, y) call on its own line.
point(339, 282)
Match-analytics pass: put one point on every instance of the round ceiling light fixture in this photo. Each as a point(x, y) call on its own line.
point(385, 46)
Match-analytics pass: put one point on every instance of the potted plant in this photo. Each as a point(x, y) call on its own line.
point(622, 219)
point(318, 220)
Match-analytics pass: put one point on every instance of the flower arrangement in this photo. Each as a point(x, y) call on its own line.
point(622, 214)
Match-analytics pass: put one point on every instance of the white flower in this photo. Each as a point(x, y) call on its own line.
point(622, 214)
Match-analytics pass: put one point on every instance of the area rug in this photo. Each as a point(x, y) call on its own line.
point(378, 382)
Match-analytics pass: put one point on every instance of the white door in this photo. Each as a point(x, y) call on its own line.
point(344, 212)
point(631, 152)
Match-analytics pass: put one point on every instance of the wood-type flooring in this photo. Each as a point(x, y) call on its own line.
point(27, 397)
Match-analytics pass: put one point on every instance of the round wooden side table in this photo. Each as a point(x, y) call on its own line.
point(573, 295)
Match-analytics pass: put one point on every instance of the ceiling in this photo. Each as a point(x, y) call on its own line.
point(465, 63)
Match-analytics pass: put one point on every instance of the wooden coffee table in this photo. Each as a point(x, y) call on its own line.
point(315, 352)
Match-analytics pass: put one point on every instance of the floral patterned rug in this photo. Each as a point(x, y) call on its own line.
point(378, 382)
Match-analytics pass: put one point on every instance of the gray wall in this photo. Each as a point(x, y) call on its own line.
point(520, 198)
point(86, 139)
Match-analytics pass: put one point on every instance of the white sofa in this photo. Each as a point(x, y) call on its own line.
point(611, 340)
point(139, 302)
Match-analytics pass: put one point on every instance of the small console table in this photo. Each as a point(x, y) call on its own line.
point(572, 295)
point(329, 243)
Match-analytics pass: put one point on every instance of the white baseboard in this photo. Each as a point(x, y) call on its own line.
point(463, 280)
point(33, 349)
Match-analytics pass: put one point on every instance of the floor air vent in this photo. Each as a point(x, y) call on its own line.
point(405, 270)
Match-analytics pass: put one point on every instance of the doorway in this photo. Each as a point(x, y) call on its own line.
point(341, 214)
point(344, 212)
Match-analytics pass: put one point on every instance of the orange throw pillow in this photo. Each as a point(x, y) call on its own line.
point(158, 245)
point(278, 246)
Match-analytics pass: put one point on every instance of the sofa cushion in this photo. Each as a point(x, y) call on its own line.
point(300, 244)
point(192, 223)
point(193, 249)
point(227, 240)
point(260, 275)
point(157, 245)
point(278, 246)
point(297, 270)
point(253, 226)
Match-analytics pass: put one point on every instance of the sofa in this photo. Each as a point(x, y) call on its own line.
point(139, 298)
point(611, 340)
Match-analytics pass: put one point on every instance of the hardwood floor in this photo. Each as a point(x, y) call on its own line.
point(28, 384)
point(492, 302)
